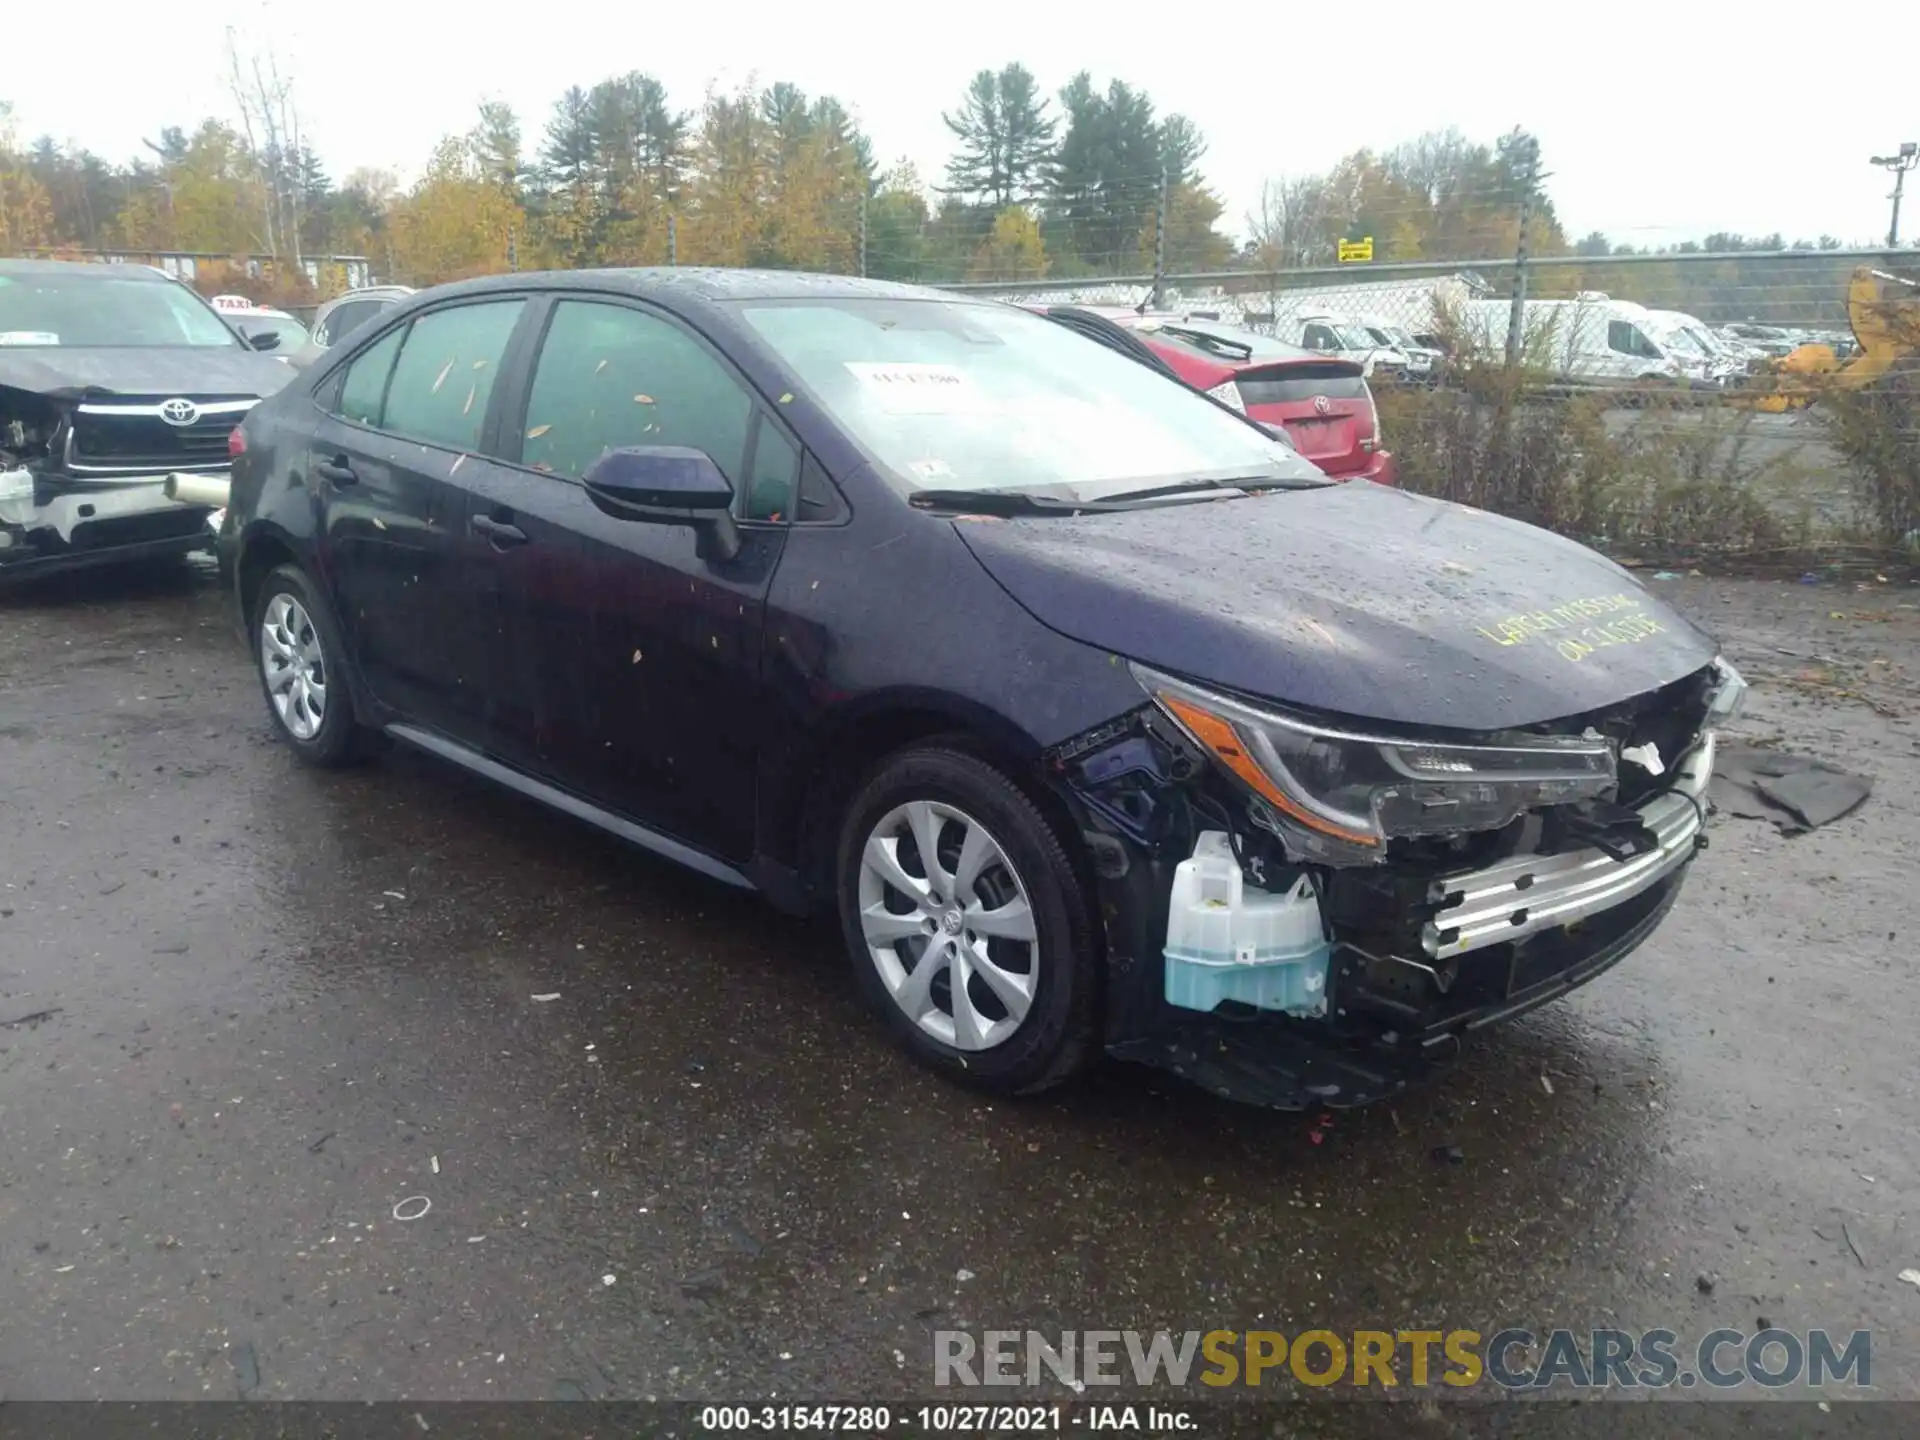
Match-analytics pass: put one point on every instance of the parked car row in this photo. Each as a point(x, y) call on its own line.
point(1098, 716)
point(1322, 403)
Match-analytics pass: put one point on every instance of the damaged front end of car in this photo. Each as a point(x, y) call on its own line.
point(90, 477)
point(1301, 911)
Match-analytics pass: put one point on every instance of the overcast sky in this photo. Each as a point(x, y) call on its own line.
point(1659, 122)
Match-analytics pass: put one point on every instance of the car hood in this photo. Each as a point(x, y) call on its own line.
point(1355, 599)
point(64, 373)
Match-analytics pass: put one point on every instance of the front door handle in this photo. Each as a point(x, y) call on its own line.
point(337, 470)
point(498, 532)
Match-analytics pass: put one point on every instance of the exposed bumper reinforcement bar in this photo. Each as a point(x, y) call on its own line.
point(1531, 893)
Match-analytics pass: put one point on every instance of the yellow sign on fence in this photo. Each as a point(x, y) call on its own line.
point(1356, 250)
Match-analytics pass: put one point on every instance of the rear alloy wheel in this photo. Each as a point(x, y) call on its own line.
point(294, 666)
point(297, 649)
point(967, 922)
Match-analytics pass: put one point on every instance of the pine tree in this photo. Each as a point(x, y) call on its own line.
point(1005, 138)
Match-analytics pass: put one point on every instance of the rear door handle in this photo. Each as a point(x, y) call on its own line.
point(337, 470)
point(498, 532)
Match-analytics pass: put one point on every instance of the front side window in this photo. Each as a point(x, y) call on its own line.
point(445, 373)
point(1320, 337)
point(43, 309)
point(1624, 337)
point(610, 377)
point(964, 395)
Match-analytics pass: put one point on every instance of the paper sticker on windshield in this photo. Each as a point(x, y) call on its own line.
point(913, 388)
point(28, 337)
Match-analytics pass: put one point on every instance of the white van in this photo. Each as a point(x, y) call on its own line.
point(1422, 360)
point(1723, 361)
point(1337, 335)
point(1592, 340)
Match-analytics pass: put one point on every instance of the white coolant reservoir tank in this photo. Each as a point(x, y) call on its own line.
point(1228, 940)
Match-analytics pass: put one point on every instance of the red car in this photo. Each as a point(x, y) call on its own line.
point(1323, 402)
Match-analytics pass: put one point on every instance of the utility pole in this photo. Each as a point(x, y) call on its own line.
point(1160, 244)
point(1517, 312)
point(863, 233)
point(513, 251)
point(1905, 159)
point(673, 238)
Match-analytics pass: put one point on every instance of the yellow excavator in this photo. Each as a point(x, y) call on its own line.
point(1884, 311)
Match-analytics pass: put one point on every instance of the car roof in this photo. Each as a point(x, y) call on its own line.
point(88, 269)
point(711, 285)
point(371, 292)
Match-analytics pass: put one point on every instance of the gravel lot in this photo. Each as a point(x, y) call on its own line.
point(273, 1004)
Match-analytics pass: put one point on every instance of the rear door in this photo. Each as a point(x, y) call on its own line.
point(625, 666)
point(406, 414)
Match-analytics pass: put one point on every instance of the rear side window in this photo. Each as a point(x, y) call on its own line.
point(609, 377)
point(1297, 384)
point(445, 373)
point(363, 393)
point(344, 319)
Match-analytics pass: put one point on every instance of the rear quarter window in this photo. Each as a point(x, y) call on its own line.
point(1299, 385)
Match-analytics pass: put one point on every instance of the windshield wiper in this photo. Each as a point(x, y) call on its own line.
point(1002, 502)
point(1185, 487)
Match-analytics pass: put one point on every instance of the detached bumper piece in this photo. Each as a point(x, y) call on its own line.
point(1531, 893)
point(44, 528)
point(1287, 1064)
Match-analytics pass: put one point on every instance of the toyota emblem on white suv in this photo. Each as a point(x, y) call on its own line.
point(179, 412)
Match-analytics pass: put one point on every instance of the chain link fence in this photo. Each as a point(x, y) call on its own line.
point(1682, 408)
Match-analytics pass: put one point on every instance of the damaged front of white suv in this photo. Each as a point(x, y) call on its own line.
point(119, 392)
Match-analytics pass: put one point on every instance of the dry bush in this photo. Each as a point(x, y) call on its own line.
point(1676, 480)
point(1878, 430)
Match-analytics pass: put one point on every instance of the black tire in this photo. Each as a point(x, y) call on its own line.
point(1060, 1033)
point(340, 738)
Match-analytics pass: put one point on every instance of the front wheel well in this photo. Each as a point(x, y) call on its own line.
point(861, 748)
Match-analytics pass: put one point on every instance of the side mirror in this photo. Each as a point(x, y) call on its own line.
point(668, 485)
point(264, 340)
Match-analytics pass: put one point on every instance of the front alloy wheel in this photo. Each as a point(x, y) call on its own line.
point(948, 925)
point(966, 921)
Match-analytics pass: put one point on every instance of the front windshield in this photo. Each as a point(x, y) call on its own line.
point(99, 311)
point(1396, 336)
point(954, 395)
point(1682, 338)
point(1355, 337)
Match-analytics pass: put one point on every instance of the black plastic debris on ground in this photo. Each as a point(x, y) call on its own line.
point(1796, 792)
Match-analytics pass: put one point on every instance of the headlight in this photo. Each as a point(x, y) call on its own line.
point(1729, 693)
point(1338, 796)
point(1228, 394)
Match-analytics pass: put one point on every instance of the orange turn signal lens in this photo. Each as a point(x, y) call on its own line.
point(1226, 746)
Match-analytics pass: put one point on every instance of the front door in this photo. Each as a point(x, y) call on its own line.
point(409, 413)
point(628, 666)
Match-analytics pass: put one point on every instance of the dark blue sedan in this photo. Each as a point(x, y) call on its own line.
point(1101, 719)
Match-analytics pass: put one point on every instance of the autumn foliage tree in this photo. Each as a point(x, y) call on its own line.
point(455, 222)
